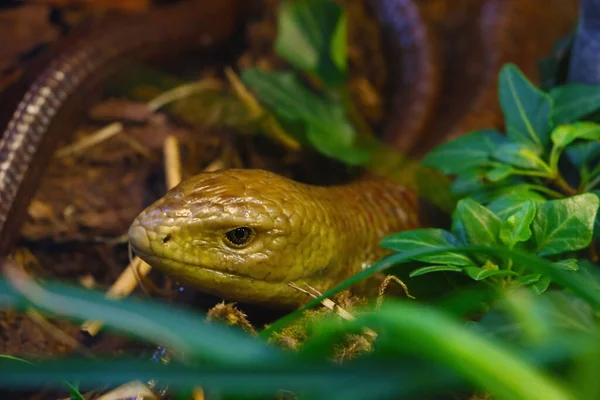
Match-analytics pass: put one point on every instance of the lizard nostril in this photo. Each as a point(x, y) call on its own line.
point(166, 238)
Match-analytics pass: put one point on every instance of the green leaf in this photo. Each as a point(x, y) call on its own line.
point(564, 135)
point(569, 264)
point(312, 37)
point(147, 319)
point(582, 153)
point(526, 109)
point(468, 181)
point(565, 225)
point(597, 220)
point(481, 226)
point(466, 152)
point(574, 101)
point(423, 238)
point(552, 66)
point(541, 285)
point(339, 145)
point(515, 228)
point(326, 126)
point(504, 206)
point(480, 274)
point(434, 268)
point(528, 279)
point(520, 155)
point(500, 172)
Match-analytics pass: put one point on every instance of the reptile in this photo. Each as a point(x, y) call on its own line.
point(443, 57)
point(245, 234)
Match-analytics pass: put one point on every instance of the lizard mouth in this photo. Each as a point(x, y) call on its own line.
point(172, 265)
point(226, 285)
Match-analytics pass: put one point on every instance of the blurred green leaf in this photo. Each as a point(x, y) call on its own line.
point(564, 135)
point(500, 172)
point(584, 283)
point(468, 181)
point(468, 151)
point(501, 372)
point(434, 268)
point(520, 155)
point(574, 101)
point(582, 153)
point(515, 228)
point(479, 274)
point(481, 226)
point(565, 225)
point(570, 264)
point(526, 109)
point(423, 238)
point(541, 285)
point(528, 279)
point(150, 320)
point(312, 36)
point(265, 379)
point(324, 120)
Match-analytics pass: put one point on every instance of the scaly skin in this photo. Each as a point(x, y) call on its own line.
point(303, 234)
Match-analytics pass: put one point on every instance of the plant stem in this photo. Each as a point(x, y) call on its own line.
point(592, 183)
point(548, 191)
point(561, 183)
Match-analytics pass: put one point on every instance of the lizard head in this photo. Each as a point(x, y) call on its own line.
point(239, 234)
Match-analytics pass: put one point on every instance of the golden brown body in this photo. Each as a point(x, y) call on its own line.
point(291, 233)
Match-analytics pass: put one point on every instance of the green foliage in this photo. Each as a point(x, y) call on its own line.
point(573, 102)
point(550, 228)
point(312, 37)
point(526, 109)
point(565, 225)
point(320, 120)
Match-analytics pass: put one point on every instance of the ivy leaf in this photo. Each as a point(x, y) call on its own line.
point(323, 120)
point(520, 155)
point(574, 101)
point(312, 37)
point(565, 225)
point(526, 109)
point(423, 238)
point(434, 268)
point(506, 205)
point(569, 264)
point(464, 153)
point(515, 228)
point(564, 135)
point(480, 225)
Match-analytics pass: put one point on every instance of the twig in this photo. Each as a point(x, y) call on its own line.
point(314, 293)
point(183, 91)
point(137, 269)
point(130, 390)
point(90, 141)
point(386, 283)
point(172, 158)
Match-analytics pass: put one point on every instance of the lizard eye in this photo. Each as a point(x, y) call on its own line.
point(239, 237)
